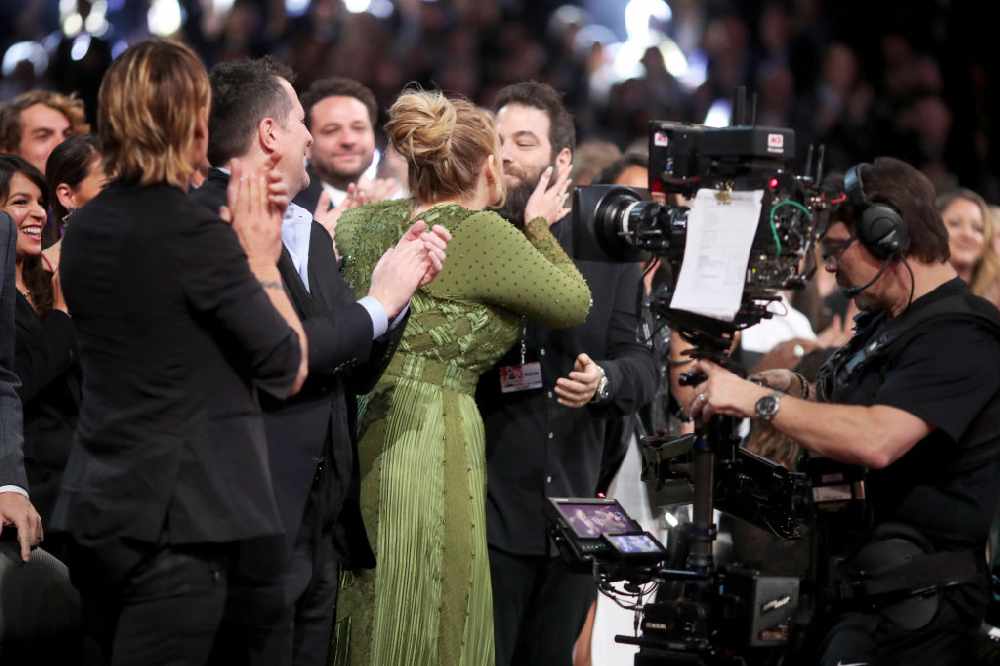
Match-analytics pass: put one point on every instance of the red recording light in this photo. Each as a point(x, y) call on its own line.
point(773, 183)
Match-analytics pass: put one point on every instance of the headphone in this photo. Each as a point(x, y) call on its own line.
point(880, 229)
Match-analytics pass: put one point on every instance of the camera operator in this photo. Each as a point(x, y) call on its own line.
point(914, 398)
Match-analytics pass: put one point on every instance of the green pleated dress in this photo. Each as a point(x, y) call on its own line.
point(422, 447)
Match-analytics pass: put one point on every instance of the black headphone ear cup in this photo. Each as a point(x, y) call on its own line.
point(882, 231)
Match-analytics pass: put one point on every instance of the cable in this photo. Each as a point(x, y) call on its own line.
point(913, 283)
point(774, 211)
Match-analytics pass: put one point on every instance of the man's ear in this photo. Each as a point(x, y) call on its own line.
point(65, 195)
point(564, 158)
point(494, 179)
point(266, 136)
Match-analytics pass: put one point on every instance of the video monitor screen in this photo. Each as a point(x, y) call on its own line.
point(591, 520)
point(628, 544)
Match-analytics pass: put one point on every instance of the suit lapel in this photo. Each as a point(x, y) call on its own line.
point(327, 283)
point(297, 292)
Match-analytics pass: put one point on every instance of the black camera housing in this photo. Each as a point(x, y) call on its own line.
point(622, 224)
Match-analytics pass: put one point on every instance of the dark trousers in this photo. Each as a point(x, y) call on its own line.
point(286, 620)
point(40, 619)
point(871, 639)
point(538, 609)
point(165, 610)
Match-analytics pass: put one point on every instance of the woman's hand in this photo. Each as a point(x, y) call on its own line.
point(549, 198)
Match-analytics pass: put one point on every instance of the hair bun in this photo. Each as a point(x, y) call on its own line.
point(421, 125)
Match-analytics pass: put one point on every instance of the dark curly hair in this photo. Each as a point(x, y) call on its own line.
point(542, 96)
point(338, 86)
point(36, 278)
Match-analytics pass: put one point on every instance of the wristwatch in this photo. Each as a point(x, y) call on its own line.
point(603, 392)
point(767, 407)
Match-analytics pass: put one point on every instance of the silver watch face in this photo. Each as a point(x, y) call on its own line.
point(767, 407)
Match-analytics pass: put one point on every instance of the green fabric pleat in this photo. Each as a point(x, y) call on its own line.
point(423, 500)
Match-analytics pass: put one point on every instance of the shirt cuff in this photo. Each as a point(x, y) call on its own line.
point(14, 489)
point(397, 320)
point(380, 320)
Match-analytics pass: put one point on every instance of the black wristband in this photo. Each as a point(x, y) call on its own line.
point(803, 385)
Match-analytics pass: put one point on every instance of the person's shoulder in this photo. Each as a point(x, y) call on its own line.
point(959, 341)
point(485, 216)
point(7, 229)
point(481, 224)
point(379, 213)
point(212, 193)
point(193, 213)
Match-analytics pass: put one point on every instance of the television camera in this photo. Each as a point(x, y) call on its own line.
point(704, 614)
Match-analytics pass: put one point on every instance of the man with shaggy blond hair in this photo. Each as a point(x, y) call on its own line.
point(37, 121)
point(181, 320)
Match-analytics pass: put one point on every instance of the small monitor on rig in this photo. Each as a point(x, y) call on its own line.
point(636, 547)
point(589, 519)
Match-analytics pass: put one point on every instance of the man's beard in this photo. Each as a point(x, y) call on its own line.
point(336, 177)
point(517, 198)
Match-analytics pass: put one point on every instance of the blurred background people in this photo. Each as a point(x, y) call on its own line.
point(341, 114)
point(591, 159)
point(35, 122)
point(75, 175)
point(970, 228)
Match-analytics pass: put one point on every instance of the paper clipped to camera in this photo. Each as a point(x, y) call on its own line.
point(720, 230)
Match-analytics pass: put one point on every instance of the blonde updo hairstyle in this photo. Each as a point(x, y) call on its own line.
point(444, 142)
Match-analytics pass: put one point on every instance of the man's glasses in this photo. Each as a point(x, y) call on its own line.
point(831, 248)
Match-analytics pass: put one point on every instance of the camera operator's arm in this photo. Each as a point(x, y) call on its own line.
point(873, 436)
point(787, 381)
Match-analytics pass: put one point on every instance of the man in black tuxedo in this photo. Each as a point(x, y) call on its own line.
point(256, 116)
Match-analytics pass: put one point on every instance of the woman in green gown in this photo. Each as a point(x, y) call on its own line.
point(422, 454)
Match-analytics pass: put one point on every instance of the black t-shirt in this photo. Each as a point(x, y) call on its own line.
point(948, 375)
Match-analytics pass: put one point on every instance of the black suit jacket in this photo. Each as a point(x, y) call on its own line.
point(320, 421)
point(309, 197)
point(175, 336)
point(50, 393)
point(11, 457)
point(536, 448)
